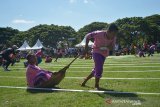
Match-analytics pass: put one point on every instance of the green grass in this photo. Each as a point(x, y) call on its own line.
point(114, 67)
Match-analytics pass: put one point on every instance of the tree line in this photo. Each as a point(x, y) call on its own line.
point(134, 30)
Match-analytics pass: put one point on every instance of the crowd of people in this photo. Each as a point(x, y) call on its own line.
point(11, 55)
point(143, 50)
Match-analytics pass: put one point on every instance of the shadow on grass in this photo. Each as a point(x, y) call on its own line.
point(115, 93)
point(42, 90)
point(108, 93)
point(119, 94)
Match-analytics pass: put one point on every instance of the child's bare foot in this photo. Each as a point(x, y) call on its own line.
point(83, 84)
point(97, 87)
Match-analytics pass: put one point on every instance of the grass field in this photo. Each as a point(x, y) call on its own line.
point(121, 74)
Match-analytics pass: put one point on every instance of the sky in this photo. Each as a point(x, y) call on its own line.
point(25, 14)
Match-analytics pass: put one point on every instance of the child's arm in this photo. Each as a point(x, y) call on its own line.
point(86, 46)
point(112, 45)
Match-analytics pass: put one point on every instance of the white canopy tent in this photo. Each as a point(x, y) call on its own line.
point(83, 42)
point(25, 46)
point(38, 45)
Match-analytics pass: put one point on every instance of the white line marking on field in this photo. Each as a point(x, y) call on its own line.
point(121, 71)
point(90, 65)
point(11, 77)
point(76, 90)
point(116, 67)
point(117, 78)
point(106, 78)
point(75, 67)
point(128, 71)
point(106, 64)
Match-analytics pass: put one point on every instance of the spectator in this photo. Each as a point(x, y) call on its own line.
point(7, 56)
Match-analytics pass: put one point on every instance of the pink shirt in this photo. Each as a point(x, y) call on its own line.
point(31, 73)
point(39, 53)
point(101, 42)
point(152, 47)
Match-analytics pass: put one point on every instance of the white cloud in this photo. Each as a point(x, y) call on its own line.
point(89, 2)
point(72, 1)
point(22, 21)
point(82, 1)
point(85, 1)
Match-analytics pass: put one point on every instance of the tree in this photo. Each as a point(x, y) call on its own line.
point(154, 28)
point(6, 34)
point(49, 34)
point(89, 28)
point(136, 30)
point(131, 30)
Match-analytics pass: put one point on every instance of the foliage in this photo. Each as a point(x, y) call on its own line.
point(49, 34)
point(133, 30)
point(6, 34)
point(136, 30)
point(91, 27)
